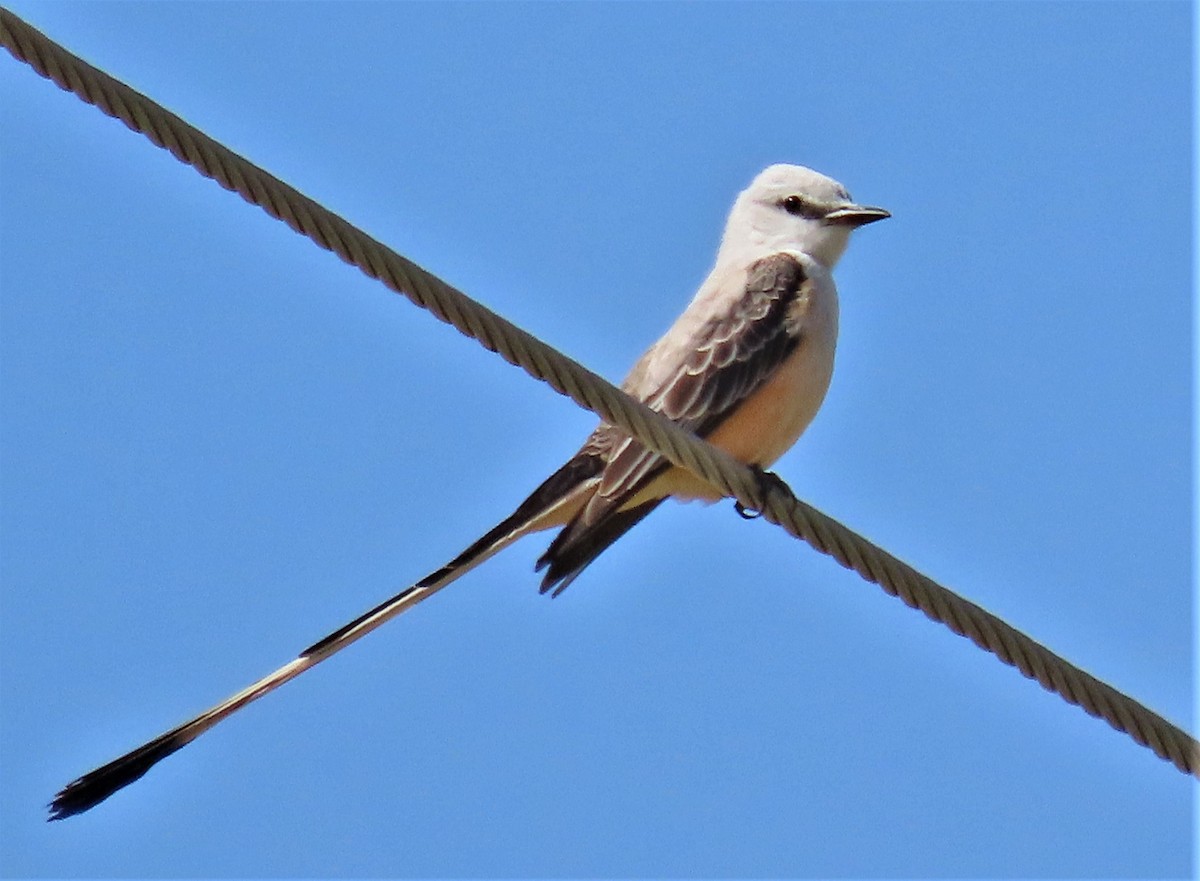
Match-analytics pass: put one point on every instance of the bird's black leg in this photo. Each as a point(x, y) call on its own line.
point(767, 480)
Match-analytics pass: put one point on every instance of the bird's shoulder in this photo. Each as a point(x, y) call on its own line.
point(759, 293)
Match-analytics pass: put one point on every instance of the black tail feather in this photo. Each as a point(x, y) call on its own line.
point(577, 546)
point(94, 787)
point(578, 469)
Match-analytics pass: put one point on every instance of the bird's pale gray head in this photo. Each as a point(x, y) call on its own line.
point(790, 207)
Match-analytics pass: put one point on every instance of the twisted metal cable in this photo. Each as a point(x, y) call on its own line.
point(771, 497)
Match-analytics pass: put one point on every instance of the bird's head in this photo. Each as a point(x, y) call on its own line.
point(790, 207)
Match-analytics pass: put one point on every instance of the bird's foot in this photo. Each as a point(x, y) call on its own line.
point(767, 480)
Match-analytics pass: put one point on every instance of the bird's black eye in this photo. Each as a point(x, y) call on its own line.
point(796, 206)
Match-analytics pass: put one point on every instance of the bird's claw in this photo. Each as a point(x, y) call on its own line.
point(767, 480)
point(746, 513)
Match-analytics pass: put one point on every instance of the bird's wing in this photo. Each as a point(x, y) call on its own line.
point(728, 358)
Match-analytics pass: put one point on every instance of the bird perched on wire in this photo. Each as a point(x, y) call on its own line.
point(746, 366)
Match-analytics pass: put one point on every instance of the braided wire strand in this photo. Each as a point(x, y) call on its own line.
point(587, 389)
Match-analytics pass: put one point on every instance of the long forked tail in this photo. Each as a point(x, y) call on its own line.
point(92, 788)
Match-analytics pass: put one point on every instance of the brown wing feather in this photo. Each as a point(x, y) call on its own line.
point(733, 354)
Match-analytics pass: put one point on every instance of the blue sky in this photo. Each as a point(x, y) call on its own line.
point(219, 443)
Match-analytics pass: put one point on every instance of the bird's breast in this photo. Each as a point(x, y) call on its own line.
point(773, 417)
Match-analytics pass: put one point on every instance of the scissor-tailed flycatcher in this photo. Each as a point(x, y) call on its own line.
point(746, 366)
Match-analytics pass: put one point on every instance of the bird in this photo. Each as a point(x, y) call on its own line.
point(746, 366)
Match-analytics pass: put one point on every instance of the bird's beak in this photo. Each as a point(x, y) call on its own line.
point(855, 215)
